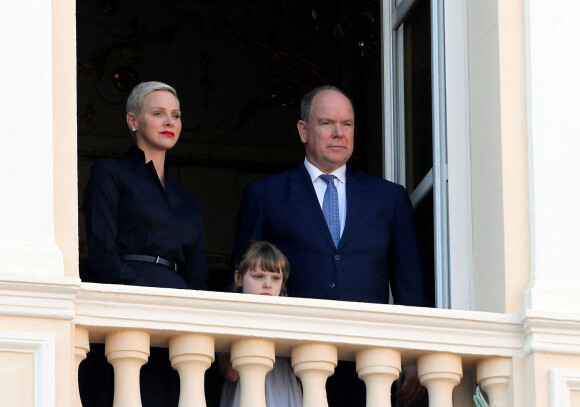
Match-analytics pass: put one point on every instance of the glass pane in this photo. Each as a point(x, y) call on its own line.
point(425, 236)
point(415, 132)
point(417, 94)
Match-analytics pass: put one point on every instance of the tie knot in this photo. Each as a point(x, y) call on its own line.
point(328, 178)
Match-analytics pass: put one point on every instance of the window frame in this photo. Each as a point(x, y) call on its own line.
point(450, 175)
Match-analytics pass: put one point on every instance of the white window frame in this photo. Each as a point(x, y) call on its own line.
point(450, 175)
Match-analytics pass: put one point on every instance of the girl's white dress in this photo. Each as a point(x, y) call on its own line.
point(282, 388)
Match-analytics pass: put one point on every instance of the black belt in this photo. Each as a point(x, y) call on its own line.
point(151, 259)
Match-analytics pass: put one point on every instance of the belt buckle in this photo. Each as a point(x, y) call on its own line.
point(166, 263)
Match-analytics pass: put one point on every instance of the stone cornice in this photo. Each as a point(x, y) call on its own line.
point(38, 296)
point(551, 332)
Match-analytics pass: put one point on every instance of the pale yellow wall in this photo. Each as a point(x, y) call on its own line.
point(501, 248)
point(539, 375)
point(514, 144)
point(65, 134)
point(575, 398)
point(529, 381)
point(65, 186)
point(16, 365)
point(518, 381)
point(17, 379)
point(63, 353)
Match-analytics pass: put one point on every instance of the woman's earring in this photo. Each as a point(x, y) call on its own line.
point(134, 129)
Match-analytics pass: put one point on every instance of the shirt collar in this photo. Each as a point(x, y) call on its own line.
point(137, 155)
point(339, 173)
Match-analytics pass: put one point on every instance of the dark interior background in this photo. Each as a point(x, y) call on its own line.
point(240, 68)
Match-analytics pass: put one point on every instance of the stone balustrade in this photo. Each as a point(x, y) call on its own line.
point(127, 351)
point(378, 368)
point(191, 355)
point(314, 333)
point(313, 363)
point(253, 359)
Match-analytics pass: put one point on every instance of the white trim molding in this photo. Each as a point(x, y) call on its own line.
point(458, 156)
point(38, 296)
point(551, 332)
point(42, 348)
point(562, 383)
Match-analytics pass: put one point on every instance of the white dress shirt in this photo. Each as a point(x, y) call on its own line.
point(320, 188)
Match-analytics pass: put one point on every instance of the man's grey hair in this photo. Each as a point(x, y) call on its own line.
point(137, 96)
point(306, 103)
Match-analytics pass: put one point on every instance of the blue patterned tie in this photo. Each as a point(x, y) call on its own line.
point(330, 207)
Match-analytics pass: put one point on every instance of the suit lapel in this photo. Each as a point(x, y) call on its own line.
point(303, 192)
point(356, 196)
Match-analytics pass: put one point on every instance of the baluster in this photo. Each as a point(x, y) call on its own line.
point(440, 373)
point(127, 351)
point(378, 368)
point(493, 375)
point(191, 355)
point(313, 363)
point(253, 358)
point(81, 348)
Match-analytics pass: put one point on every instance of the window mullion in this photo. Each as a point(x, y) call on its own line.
point(440, 215)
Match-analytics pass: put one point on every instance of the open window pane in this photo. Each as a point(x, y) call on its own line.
point(417, 95)
point(414, 112)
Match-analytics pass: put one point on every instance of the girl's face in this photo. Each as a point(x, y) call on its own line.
point(260, 282)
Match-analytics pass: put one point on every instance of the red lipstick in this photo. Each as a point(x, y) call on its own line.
point(168, 133)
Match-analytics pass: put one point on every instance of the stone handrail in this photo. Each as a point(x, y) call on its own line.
point(315, 333)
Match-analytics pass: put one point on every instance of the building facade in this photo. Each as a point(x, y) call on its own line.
point(514, 290)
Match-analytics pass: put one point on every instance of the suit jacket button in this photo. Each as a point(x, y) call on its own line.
point(337, 257)
point(332, 285)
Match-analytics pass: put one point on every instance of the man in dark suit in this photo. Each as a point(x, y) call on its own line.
point(374, 244)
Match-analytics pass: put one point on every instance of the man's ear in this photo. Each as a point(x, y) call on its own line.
point(302, 125)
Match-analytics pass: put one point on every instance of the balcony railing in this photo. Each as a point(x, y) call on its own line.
point(315, 333)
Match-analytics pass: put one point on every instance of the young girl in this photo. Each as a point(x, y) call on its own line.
point(262, 270)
